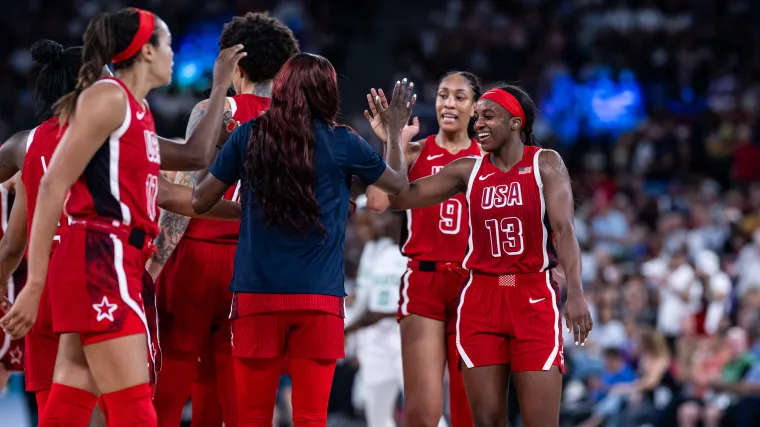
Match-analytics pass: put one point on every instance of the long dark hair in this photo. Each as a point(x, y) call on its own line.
point(106, 35)
point(529, 108)
point(56, 69)
point(280, 161)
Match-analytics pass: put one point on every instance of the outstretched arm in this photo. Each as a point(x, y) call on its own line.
point(437, 188)
point(13, 243)
point(177, 199)
point(561, 209)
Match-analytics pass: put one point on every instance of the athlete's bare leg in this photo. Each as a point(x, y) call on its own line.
point(119, 367)
point(423, 350)
point(119, 363)
point(487, 391)
point(74, 392)
point(71, 368)
point(539, 394)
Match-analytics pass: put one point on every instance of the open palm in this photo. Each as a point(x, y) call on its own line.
point(407, 133)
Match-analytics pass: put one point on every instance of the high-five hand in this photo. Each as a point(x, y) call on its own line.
point(395, 115)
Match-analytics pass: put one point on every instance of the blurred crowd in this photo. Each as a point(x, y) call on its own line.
point(668, 212)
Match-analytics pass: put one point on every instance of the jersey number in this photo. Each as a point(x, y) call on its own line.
point(506, 236)
point(451, 216)
point(151, 194)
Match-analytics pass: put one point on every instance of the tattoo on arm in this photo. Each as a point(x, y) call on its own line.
point(172, 226)
point(195, 116)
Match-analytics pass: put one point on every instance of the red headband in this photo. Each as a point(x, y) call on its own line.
point(143, 34)
point(506, 100)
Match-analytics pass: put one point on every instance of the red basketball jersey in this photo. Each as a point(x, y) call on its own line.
point(244, 107)
point(437, 233)
point(121, 180)
point(510, 231)
point(40, 146)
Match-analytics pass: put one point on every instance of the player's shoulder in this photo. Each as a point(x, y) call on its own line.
point(103, 99)
point(550, 163)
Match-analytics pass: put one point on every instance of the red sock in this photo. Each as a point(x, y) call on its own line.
point(206, 408)
point(68, 407)
point(256, 383)
point(225, 387)
point(458, 404)
point(312, 381)
point(172, 390)
point(131, 407)
point(42, 398)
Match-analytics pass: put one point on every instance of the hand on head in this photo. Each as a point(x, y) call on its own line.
point(225, 63)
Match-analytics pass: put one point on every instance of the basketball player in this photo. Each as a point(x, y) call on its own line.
point(55, 69)
point(435, 240)
point(520, 203)
point(106, 167)
point(193, 299)
point(296, 164)
point(380, 379)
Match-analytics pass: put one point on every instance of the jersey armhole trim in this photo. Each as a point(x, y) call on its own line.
point(544, 231)
point(30, 138)
point(470, 183)
point(233, 105)
point(121, 130)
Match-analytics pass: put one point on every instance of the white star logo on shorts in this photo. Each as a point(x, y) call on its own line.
point(105, 309)
point(16, 355)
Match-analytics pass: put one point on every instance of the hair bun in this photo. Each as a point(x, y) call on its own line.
point(46, 51)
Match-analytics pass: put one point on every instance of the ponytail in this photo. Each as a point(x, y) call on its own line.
point(107, 36)
point(98, 49)
point(55, 69)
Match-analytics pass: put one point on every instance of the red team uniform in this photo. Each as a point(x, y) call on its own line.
point(98, 270)
point(509, 308)
point(435, 243)
point(41, 341)
point(435, 240)
point(193, 296)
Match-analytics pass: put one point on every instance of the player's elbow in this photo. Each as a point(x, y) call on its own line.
point(201, 204)
point(51, 187)
point(198, 161)
point(377, 203)
point(398, 203)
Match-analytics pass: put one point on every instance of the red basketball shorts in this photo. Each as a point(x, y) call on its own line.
point(12, 352)
point(96, 282)
point(432, 290)
point(296, 334)
point(193, 297)
point(511, 320)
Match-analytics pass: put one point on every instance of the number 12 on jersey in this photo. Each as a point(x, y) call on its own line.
point(506, 236)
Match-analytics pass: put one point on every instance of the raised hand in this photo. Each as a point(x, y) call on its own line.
point(407, 133)
point(395, 115)
point(225, 64)
point(374, 118)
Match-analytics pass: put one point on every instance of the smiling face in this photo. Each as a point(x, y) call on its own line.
point(494, 125)
point(454, 104)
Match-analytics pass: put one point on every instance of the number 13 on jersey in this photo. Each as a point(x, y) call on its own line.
point(506, 236)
